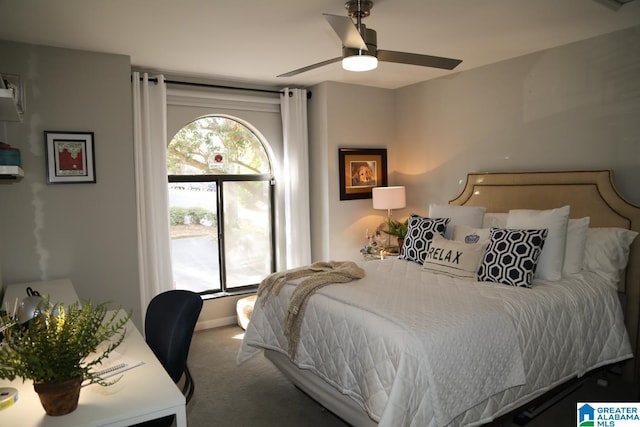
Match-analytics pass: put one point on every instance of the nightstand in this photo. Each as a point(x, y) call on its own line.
point(379, 254)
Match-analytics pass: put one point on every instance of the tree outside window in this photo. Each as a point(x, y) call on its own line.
point(221, 207)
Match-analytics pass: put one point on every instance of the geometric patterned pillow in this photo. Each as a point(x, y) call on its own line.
point(512, 256)
point(420, 232)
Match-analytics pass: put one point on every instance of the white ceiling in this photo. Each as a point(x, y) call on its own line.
point(253, 41)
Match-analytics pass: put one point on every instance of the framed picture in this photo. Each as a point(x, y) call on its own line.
point(360, 171)
point(70, 157)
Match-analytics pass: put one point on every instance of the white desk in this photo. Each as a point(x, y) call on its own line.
point(59, 291)
point(143, 393)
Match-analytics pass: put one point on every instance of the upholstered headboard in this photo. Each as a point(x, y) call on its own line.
point(589, 193)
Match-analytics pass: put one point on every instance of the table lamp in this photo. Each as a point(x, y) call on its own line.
point(389, 198)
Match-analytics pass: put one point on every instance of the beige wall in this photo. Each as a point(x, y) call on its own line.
point(86, 232)
point(345, 116)
point(574, 107)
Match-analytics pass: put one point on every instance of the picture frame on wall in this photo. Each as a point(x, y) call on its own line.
point(70, 157)
point(361, 169)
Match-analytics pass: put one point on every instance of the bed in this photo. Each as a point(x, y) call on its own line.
point(381, 361)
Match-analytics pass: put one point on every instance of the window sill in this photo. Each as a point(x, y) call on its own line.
point(228, 294)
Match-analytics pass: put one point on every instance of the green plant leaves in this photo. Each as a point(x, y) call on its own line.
point(54, 346)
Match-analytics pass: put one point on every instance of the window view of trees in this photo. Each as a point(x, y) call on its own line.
point(220, 206)
point(216, 145)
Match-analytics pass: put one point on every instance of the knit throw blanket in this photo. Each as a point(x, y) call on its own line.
point(318, 274)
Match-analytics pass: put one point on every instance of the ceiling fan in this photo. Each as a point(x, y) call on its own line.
point(359, 45)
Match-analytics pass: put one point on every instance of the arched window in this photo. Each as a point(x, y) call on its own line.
point(221, 206)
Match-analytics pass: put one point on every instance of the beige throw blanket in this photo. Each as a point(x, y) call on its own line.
point(319, 274)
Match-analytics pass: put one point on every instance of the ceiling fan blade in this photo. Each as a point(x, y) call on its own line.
point(311, 67)
point(346, 30)
point(416, 59)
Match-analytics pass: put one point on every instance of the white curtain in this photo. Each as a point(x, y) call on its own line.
point(150, 146)
point(293, 106)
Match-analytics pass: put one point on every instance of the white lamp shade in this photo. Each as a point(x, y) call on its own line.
point(389, 197)
point(359, 62)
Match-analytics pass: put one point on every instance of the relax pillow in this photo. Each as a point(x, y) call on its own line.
point(576, 242)
point(471, 216)
point(554, 220)
point(453, 258)
point(512, 256)
point(607, 252)
point(420, 232)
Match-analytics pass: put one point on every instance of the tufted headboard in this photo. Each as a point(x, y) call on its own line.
point(589, 193)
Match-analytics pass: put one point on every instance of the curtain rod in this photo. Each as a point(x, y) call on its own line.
point(177, 82)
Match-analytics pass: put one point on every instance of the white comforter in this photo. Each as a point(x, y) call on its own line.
point(419, 349)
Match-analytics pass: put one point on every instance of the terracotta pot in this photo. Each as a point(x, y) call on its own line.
point(59, 398)
point(400, 242)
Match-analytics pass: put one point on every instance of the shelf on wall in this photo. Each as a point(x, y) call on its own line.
point(11, 172)
point(8, 109)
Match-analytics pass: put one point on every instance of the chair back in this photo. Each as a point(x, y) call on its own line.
point(169, 324)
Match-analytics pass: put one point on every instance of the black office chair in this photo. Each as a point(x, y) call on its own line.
point(169, 324)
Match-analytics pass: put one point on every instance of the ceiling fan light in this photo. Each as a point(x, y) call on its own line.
point(359, 62)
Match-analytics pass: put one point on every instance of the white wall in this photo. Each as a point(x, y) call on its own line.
point(575, 107)
point(345, 116)
point(86, 232)
point(572, 107)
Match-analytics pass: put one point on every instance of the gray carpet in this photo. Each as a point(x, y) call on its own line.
point(256, 394)
point(252, 394)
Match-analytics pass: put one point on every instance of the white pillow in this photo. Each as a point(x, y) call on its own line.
point(576, 241)
point(555, 220)
point(607, 251)
point(495, 220)
point(466, 234)
point(453, 258)
point(467, 215)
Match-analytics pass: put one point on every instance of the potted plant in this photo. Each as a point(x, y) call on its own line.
point(398, 230)
point(59, 348)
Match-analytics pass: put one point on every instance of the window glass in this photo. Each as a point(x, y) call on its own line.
point(194, 236)
point(247, 232)
point(216, 145)
point(220, 206)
